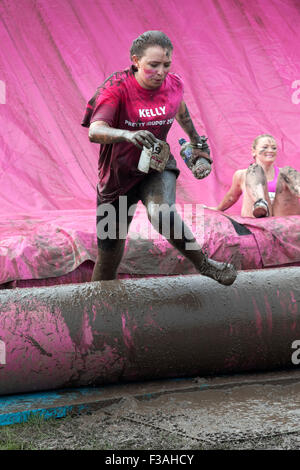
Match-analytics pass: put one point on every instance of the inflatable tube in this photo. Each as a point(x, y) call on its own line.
point(139, 329)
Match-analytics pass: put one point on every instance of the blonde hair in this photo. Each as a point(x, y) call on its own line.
point(261, 136)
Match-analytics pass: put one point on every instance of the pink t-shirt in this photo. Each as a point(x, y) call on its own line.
point(124, 104)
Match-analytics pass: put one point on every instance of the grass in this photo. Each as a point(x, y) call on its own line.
point(66, 433)
point(102, 432)
point(23, 436)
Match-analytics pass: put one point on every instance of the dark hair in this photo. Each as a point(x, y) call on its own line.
point(148, 39)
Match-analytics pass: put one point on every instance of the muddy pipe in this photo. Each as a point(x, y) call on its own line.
point(138, 329)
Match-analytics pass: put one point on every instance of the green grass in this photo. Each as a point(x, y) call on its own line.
point(22, 436)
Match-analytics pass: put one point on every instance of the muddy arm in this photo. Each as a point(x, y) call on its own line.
point(185, 121)
point(101, 133)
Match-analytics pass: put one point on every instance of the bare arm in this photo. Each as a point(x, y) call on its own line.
point(185, 121)
point(232, 196)
point(200, 155)
point(101, 133)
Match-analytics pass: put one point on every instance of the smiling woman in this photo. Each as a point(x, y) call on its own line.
point(267, 190)
point(120, 118)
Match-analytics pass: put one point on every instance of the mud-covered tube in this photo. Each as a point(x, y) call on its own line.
point(138, 329)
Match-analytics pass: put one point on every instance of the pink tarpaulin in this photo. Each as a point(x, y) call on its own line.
point(240, 64)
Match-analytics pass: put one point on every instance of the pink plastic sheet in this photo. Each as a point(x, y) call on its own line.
point(57, 250)
point(240, 64)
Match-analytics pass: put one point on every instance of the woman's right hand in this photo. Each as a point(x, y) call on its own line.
point(141, 138)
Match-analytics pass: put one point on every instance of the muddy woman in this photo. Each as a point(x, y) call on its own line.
point(134, 109)
point(267, 189)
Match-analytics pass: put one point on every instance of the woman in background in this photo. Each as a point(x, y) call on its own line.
point(267, 190)
point(133, 109)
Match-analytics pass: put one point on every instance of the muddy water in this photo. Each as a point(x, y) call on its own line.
point(219, 416)
point(250, 411)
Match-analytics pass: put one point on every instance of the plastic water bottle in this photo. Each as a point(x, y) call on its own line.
point(186, 152)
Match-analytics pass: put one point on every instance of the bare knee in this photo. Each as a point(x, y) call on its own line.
point(253, 167)
point(287, 172)
point(289, 181)
point(286, 169)
point(257, 172)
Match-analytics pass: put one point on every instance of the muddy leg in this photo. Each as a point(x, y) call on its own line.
point(112, 229)
point(257, 190)
point(108, 261)
point(158, 196)
point(287, 196)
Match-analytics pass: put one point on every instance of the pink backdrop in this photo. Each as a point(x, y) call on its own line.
point(240, 62)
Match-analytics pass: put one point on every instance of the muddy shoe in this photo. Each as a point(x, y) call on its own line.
point(260, 208)
point(224, 273)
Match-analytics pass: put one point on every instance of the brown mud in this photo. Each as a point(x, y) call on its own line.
point(236, 412)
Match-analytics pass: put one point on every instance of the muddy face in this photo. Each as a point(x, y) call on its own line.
point(265, 151)
point(153, 67)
